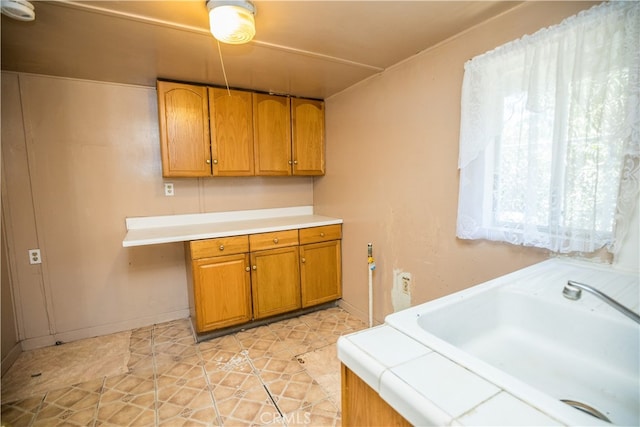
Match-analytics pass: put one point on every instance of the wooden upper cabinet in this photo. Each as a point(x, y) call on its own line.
point(231, 116)
point(272, 134)
point(207, 131)
point(184, 129)
point(307, 124)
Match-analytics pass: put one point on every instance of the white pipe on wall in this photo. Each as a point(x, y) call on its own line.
point(371, 267)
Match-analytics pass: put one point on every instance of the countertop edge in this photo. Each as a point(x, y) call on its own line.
point(183, 233)
point(403, 398)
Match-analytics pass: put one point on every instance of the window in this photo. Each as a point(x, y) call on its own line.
point(549, 135)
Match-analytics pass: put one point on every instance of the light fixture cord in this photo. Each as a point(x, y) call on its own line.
point(224, 72)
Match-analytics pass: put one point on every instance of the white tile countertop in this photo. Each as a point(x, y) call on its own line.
point(181, 228)
point(425, 387)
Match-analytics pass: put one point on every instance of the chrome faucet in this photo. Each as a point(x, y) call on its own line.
point(573, 291)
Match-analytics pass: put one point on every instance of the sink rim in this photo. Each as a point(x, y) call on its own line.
point(406, 322)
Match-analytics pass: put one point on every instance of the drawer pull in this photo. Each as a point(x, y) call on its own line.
point(222, 247)
point(275, 240)
point(321, 234)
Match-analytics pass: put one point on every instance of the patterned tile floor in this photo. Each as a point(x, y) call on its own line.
point(251, 378)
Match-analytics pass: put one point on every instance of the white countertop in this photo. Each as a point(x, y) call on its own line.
point(427, 388)
point(181, 228)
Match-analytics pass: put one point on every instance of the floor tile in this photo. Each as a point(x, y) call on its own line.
point(75, 405)
point(324, 413)
point(323, 366)
point(296, 391)
point(276, 366)
point(22, 412)
point(281, 374)
point(120, 413)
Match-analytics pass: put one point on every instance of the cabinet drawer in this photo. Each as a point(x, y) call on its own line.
point(277, 239)
point(220, 246)
point(320, 234)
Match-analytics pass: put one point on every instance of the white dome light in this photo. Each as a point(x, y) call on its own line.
point(21, 10)
point(232, 21)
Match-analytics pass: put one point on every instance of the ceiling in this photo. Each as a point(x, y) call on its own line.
point(303, 48)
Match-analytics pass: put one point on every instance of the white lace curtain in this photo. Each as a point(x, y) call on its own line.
point(549, 135)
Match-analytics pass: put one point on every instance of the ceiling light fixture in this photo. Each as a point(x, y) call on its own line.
point(232, 21)
point(21, 10)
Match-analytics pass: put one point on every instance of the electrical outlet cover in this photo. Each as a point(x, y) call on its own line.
point(34, 256)
point(405, 280)
point(399, 298)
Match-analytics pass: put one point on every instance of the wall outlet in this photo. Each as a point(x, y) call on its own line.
point(168, 189)
point(401, 291)
point(34, 256)
point(405, 283)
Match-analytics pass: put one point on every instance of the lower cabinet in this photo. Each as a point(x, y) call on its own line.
point(363, 406)
point(221, 284)
point(275, 277)
point(224, 292)
point(235, 280)
point(320, 272)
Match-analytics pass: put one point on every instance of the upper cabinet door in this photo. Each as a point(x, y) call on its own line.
point(272, 134)
point(307, 122)
point(184, 130)
point(231, 116)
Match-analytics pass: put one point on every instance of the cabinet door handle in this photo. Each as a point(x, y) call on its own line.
point(275, 240)
point(290, 162)
point(222, 247)
point(255, 267)
point(208, 161)
point(303, 260)
point(247, 269)
point(215, 161)
point(295, 162)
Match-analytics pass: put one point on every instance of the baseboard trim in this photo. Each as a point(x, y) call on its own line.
point(351, 309)
point(112, 328)
point(205, 336)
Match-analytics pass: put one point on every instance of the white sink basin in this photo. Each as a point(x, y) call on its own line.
point(520, 333)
